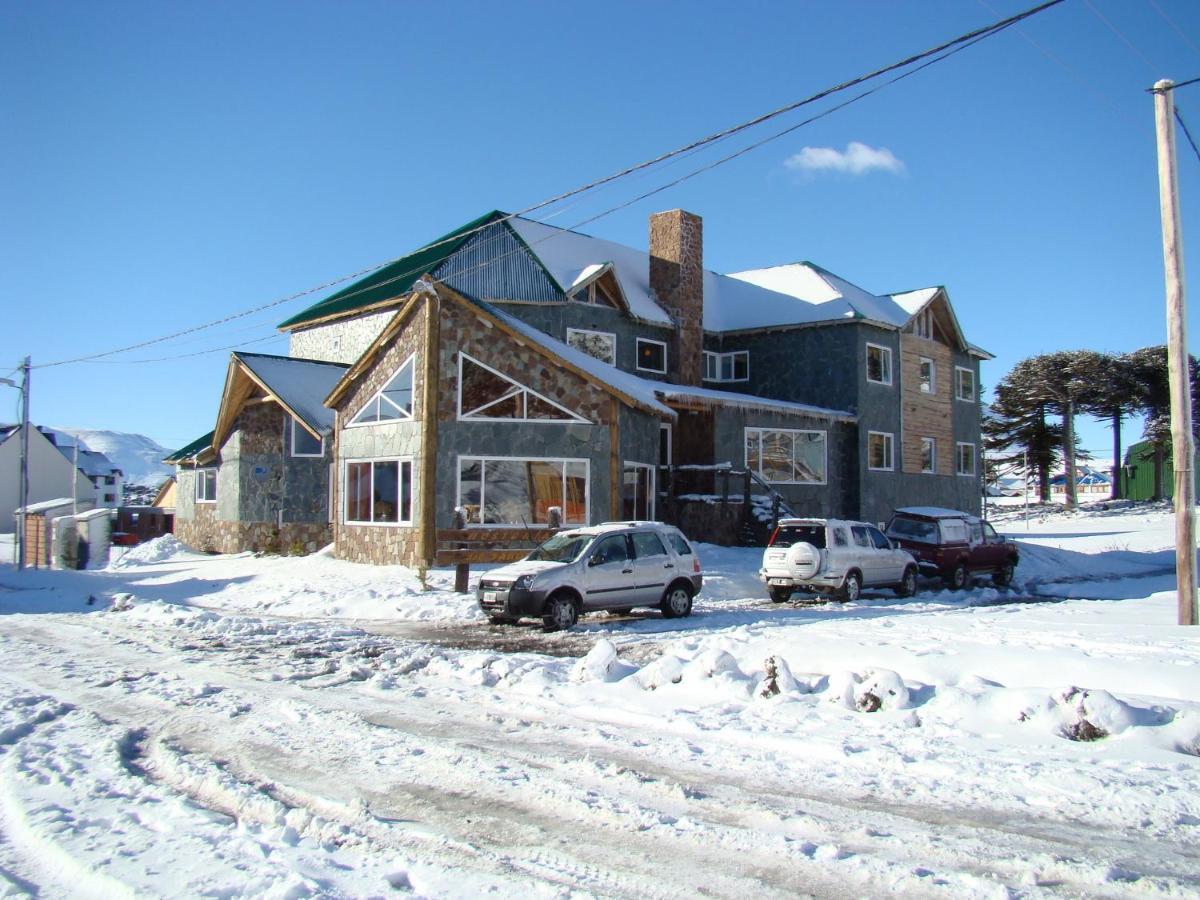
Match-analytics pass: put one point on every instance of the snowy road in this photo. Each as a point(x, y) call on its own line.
point(204, 737)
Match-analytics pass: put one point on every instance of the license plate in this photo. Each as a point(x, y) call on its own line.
point(782, 582)
point(489, 596)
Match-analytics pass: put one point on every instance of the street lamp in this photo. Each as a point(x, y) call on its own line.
point(23, 387)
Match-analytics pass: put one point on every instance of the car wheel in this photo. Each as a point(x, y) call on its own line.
point(908, 584)
point(502, 620)
point(851, 588)
point(676, 603)
point(957, 579)
point(560, 613)
point(1004, 577)
point(780, 594)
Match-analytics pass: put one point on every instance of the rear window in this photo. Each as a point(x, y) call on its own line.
point(786, 535)
point(954, 531)
point(913, 530)
point(679, 543)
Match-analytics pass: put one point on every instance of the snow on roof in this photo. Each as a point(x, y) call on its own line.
point(300, 384)
point(640, 389)
point(828, 297)
point(934, 512)
point(913, 302)
point(712, 397)
point(571, 257)
point(47, 505)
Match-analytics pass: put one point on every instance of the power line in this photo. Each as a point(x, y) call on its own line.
point(965, 39)
point(1113, 28)
point(1187, 134)
point(1171, 22)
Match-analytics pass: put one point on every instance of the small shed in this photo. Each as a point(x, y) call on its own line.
point(39, 522)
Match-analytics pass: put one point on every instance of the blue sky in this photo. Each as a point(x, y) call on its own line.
point(170, 164)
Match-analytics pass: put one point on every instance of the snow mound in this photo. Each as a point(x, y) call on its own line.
point(160, 549)
point(601, 664)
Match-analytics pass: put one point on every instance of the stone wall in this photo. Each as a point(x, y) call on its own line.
point(208, 534)
point(677, 280)
point(342, 341)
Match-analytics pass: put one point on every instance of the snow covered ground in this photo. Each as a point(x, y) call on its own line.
point(181, 724)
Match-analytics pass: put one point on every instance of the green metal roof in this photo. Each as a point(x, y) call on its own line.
point(200, 443)
point(392, 280)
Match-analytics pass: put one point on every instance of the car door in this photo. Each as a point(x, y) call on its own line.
point(866, 556)
point(995, 554)
point(889, 567)
point(610, 576)
point(653, 566)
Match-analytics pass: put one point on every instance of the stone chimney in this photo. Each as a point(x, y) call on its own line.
point(677, 279)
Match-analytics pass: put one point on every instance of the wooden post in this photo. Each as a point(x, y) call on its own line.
point(1177, 355)
point(462, 572)
point(746, 513)
point(427, 488)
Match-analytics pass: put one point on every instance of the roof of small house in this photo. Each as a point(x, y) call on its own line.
point(192, 450)
point(798, 293)
point(300, 385)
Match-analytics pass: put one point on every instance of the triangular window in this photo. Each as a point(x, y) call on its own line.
point(486, 395)
point(392, 404)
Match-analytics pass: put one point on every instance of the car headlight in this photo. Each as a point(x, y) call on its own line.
point(523, 583)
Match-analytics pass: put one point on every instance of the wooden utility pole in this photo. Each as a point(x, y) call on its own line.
point(1177, 355)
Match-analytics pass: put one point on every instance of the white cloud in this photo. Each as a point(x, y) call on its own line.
point(856, 159)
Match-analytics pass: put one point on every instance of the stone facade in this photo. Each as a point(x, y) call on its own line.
point(342, 341)
point(677, 280)
point(208, 534)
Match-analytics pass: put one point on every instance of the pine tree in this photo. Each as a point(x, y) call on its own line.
point(1015, 430)
point(1113, 395)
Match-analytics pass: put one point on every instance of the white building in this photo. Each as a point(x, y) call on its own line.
point(52, 474)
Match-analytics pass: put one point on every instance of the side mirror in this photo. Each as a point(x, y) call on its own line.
point(594, 560)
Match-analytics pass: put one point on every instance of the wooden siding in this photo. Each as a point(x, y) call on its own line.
point(926, 415)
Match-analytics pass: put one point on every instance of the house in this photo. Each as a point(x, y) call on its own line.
point(1088, 480)
point(106, 479)
point(1137, 472)
point(515, 372)
point(51, 474)
point(260, 480)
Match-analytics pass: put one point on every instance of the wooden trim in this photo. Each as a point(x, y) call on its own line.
point(476, 535)
point(429, 431)
point(614, 460)
point(344, 314)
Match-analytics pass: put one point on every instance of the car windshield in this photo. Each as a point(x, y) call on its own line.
point(913, 530)
point(562, 548)
point(786, 535)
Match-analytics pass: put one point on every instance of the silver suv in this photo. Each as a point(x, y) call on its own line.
point(832, 556)
point(616, 566)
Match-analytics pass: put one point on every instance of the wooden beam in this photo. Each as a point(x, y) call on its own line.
point(429, 429)
point(614, 460)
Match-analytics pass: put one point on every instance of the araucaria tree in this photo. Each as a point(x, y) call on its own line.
point(1016, 432)
point(1148, 370)
point(1114, 394)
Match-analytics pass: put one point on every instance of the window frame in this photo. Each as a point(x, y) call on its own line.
point(637, 357)
point(201, 480)
point(887, 351)
point(793, 431)
point(569, 417)
point(321, 440)
point(932, 470)
point(608, 334)
point(377, 396)
point(890, 448)
point(412, 492)
point(718, 361)
point(651, 488)
point(958, 470)
point(587, 487)
point(921, 360)
point(958, 384)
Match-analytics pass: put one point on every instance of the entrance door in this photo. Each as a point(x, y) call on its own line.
point(637, 492)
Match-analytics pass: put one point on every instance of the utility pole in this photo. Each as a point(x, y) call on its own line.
point(25, 367)
point(1177, 355)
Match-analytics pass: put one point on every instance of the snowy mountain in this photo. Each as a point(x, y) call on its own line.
point(136, 455)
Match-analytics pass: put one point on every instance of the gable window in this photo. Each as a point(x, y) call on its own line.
point(786, 456)
point(513, 491)
point(964, 459)
point(304, 444)
point(880, 445)
point(600, 344)
point(484, 395)
point(394, 403)
point(596, 293)
point(206, 485)
point(379, 492)
point(651, 356)
point(928, 455)
point(928, 376)
point(732, 366)
point(879, 364)
point(964, 384)
point(923, 324)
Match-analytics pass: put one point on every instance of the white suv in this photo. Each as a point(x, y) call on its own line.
point(832, 556)
point(617, 565)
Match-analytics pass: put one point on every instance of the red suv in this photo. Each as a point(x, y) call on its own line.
point(953, 545)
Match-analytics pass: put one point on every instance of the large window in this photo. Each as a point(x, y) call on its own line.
point(964, 384)
point(484, 395)
point(304, 444)
point(879, 450)
point(600, 344)
point(651, 356)
point(637, 492)
point(786, 457)
point(511, 491)
point(392, 404)
point(206, 485)
point(879, 364)
point(732, 366)
point(965, 459)
point(379, 492)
